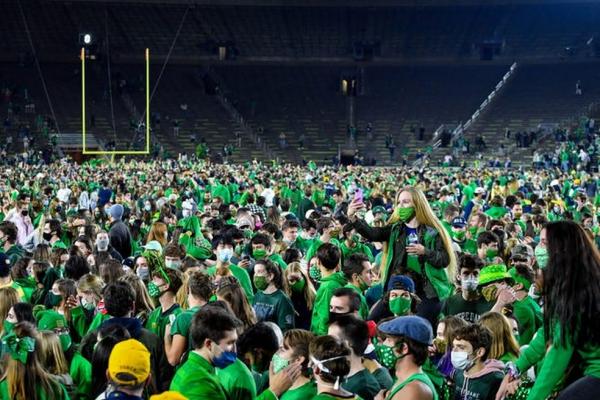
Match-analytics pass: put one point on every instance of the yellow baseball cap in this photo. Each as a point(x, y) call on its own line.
point(171, 395)
point(129, 363)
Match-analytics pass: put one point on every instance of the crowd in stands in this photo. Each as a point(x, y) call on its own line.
point(181, 279)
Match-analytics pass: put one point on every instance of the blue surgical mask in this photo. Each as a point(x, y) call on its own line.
point(224, 359)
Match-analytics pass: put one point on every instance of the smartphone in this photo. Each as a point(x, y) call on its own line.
point(358, 195)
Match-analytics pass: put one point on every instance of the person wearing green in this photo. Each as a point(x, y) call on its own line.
point(569, 337)
point(352, 244)
point(214, 333)
point(475, 374)
point(80, 368)
point(328, 375)
point(526, 311)
point(404, 350)
point(357, 270)
point(163, 288)
point(295, 350)
point(415, 244)
point(271, 303)
point(223, 247)
point(177, 336)
point(400, 296)
point(8, 242)
point(262, 248)
point(355, 333)
point(325, 272)
point(328, 233)
point(469, 303)
point(291, 238)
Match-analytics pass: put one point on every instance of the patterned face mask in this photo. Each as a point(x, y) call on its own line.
point(386, 355)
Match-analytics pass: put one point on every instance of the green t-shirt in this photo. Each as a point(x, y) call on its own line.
point(158, 320)
point(529, 316)
point(383, 377)
point(242, 276)
point(275, 307)
point(237, 381)
point(470, 311)
point(306, 391)
point(196, 379)
point(182, 323)
point(363, 384)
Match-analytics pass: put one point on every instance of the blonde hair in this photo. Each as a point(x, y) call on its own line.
point(157, 232)
point(425, 216)
point(52, 356)
point(8, 298)
point(309, 290)
point(503, 340)
point(233, 294)
point(92, 284)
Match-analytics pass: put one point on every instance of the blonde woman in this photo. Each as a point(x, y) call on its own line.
point(504, 345)
point(415, 244)
point(158, 232)
point(302, 293)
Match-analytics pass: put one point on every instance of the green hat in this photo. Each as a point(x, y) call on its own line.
point(52, 321)
point(519, 279)
point(379, 209)
point(59, 244)
point(493, 273)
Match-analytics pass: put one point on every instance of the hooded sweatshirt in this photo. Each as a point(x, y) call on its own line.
point(320, 316)
point(482, 385)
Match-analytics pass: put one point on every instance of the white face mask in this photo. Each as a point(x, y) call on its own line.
point(171, 264)
point(186, 213)
point(460, 360)
point(469, 284)
point(225, 254)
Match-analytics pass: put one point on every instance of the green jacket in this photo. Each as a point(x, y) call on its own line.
point(320, 315)
point(196, 379)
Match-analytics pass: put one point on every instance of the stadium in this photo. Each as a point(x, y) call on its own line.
point(284, 199)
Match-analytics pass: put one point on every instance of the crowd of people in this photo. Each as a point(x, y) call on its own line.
point(181, 279)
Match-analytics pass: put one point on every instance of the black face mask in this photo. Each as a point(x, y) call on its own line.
point(47, 236)
point(334, 317)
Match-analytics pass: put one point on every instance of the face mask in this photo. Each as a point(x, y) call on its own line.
point(333, 316)
point(315, 273)
point(459, 235)
point(489, 293)
point(473, 230)
point(386, 355)
point(405, 213)
point(334, 233)
point(102, 244)
point(440, 344)
point(239, 249)
point(8, 327)
point(86, 304)
point(224, 359)
point(143, 273)
point(260, 282)
point(491, 253)
point(259, 254)
point(171, 264)
point(148, 207)
point(400, 305)
point(47, 236)
point(541, 255)
point(533, 293)
point(279, 363)
point(469, 284)
point(186, 213)
point(298, 286)
point(54, 299)
point(225, 254)
point(154, 290)
point(355, 238)
point(556, 210)
point(460, 360)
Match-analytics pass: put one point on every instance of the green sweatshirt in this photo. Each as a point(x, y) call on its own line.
point(555, 361)
point(274, 307)
point(320, 315)
point(81, 372)
point(529, 316)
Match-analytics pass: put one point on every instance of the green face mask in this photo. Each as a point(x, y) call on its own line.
point(386, 356)
point(154, 290)
point(491, 253)
point(260, 282)
point(8, 327)
point(298, 286)
point(400, 305)
point(279, 363)
point(459, 235)
point(238, 249)
point(54, 299)
point(541, 255)
point(315, 273)
point(405, 213)
point(489, 293)
point(259, 254)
